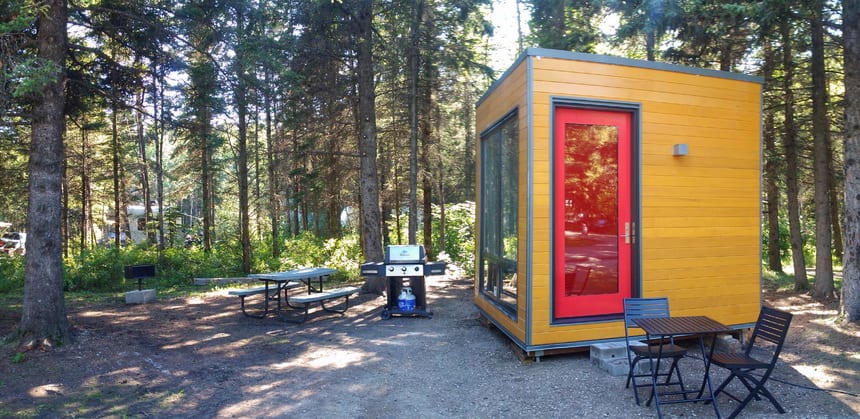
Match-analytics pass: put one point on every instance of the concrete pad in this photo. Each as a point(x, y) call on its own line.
point(139, 297)
point(225, 281)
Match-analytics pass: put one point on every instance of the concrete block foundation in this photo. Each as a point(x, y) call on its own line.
point(612, 358)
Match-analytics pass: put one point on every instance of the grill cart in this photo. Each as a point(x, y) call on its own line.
point(404, 268)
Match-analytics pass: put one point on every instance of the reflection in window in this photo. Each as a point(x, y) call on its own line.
point(499, 185)
point(590, 209)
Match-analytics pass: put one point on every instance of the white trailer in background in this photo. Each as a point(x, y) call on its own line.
point(137, 221)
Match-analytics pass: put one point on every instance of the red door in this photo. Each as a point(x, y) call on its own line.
point(592, 216)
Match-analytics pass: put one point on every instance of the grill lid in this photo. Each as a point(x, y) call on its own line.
point(404, 253)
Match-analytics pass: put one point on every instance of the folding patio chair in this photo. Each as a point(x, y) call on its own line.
point(772, 327)
point(637, 308)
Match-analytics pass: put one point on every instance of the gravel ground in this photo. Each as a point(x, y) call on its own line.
point(199, 357)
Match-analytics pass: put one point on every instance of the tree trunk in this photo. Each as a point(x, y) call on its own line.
point(241, 96)
point(371, 237)
point(414, 65)
point(771, 170)
point(469, 145)
point(271, 166)
point(442, 217)
point(43, 313)
point(823, 288)
point(160, 123)
point(205, 121)
point(835, 210)
point(774, 259)
point(792, 165)
point(65, 231)
point(85, 186)
point(850, 304)
point(114, 135)
point(141, 150)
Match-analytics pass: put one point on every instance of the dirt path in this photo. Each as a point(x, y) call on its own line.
point(199, 357)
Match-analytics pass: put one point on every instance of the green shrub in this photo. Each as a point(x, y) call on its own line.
point(459, 248)
point(307, 250)
point(102, 268)
point(11, 273)
point(97, 268)
point(459, 234)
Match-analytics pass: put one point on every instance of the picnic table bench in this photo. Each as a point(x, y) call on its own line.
point(305, 300)
point(274, 293)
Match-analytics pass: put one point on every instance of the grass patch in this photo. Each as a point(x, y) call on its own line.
point(783, 281)
point(776, 281)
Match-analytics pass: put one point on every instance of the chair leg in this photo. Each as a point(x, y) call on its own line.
point(630, 373)
point(723, 385)
point(763, 391)
point(759, 389)
point(677, 370)
point(630, 377)
point(754, 386)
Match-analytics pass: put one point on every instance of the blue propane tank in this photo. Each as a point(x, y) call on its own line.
point(406, 300)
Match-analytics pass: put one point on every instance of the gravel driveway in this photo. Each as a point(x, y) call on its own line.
point(199, 357)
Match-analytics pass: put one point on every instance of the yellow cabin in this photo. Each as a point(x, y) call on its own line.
point(601, 178)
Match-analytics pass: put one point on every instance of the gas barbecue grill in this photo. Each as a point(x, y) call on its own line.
point(405, 267)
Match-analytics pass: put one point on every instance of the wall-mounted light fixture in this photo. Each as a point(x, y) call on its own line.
point(679, 150)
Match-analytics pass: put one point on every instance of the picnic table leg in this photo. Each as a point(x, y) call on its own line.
point(304, 315)
point(256, 316)
point(331, 310)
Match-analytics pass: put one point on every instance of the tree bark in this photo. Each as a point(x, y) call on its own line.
point(43, 314)
point(241, 97)
point(86, 190)
point(369, 181)
point(114, 130)
point(824, 287)
point(414, 65)
point(850, 303)
point(272, 162)
point(774, 258)
point(771, 171)
point(792, 166)
point(141, 149)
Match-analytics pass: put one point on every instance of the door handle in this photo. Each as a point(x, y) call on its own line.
point(628, 232)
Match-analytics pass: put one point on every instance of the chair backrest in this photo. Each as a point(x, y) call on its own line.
point(772, 326)
point(639, 308)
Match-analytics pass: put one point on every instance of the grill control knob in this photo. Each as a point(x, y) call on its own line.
point(390, 269)
point(416, 269)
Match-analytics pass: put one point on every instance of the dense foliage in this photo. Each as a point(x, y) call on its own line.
point(100, 268)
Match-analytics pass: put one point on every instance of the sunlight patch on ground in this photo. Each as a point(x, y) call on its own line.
point(126, 317)
point(192, 342)
point(327, 359)
point(46, 390)
point(195, 300)
point(821, 376)
point(402, 339)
